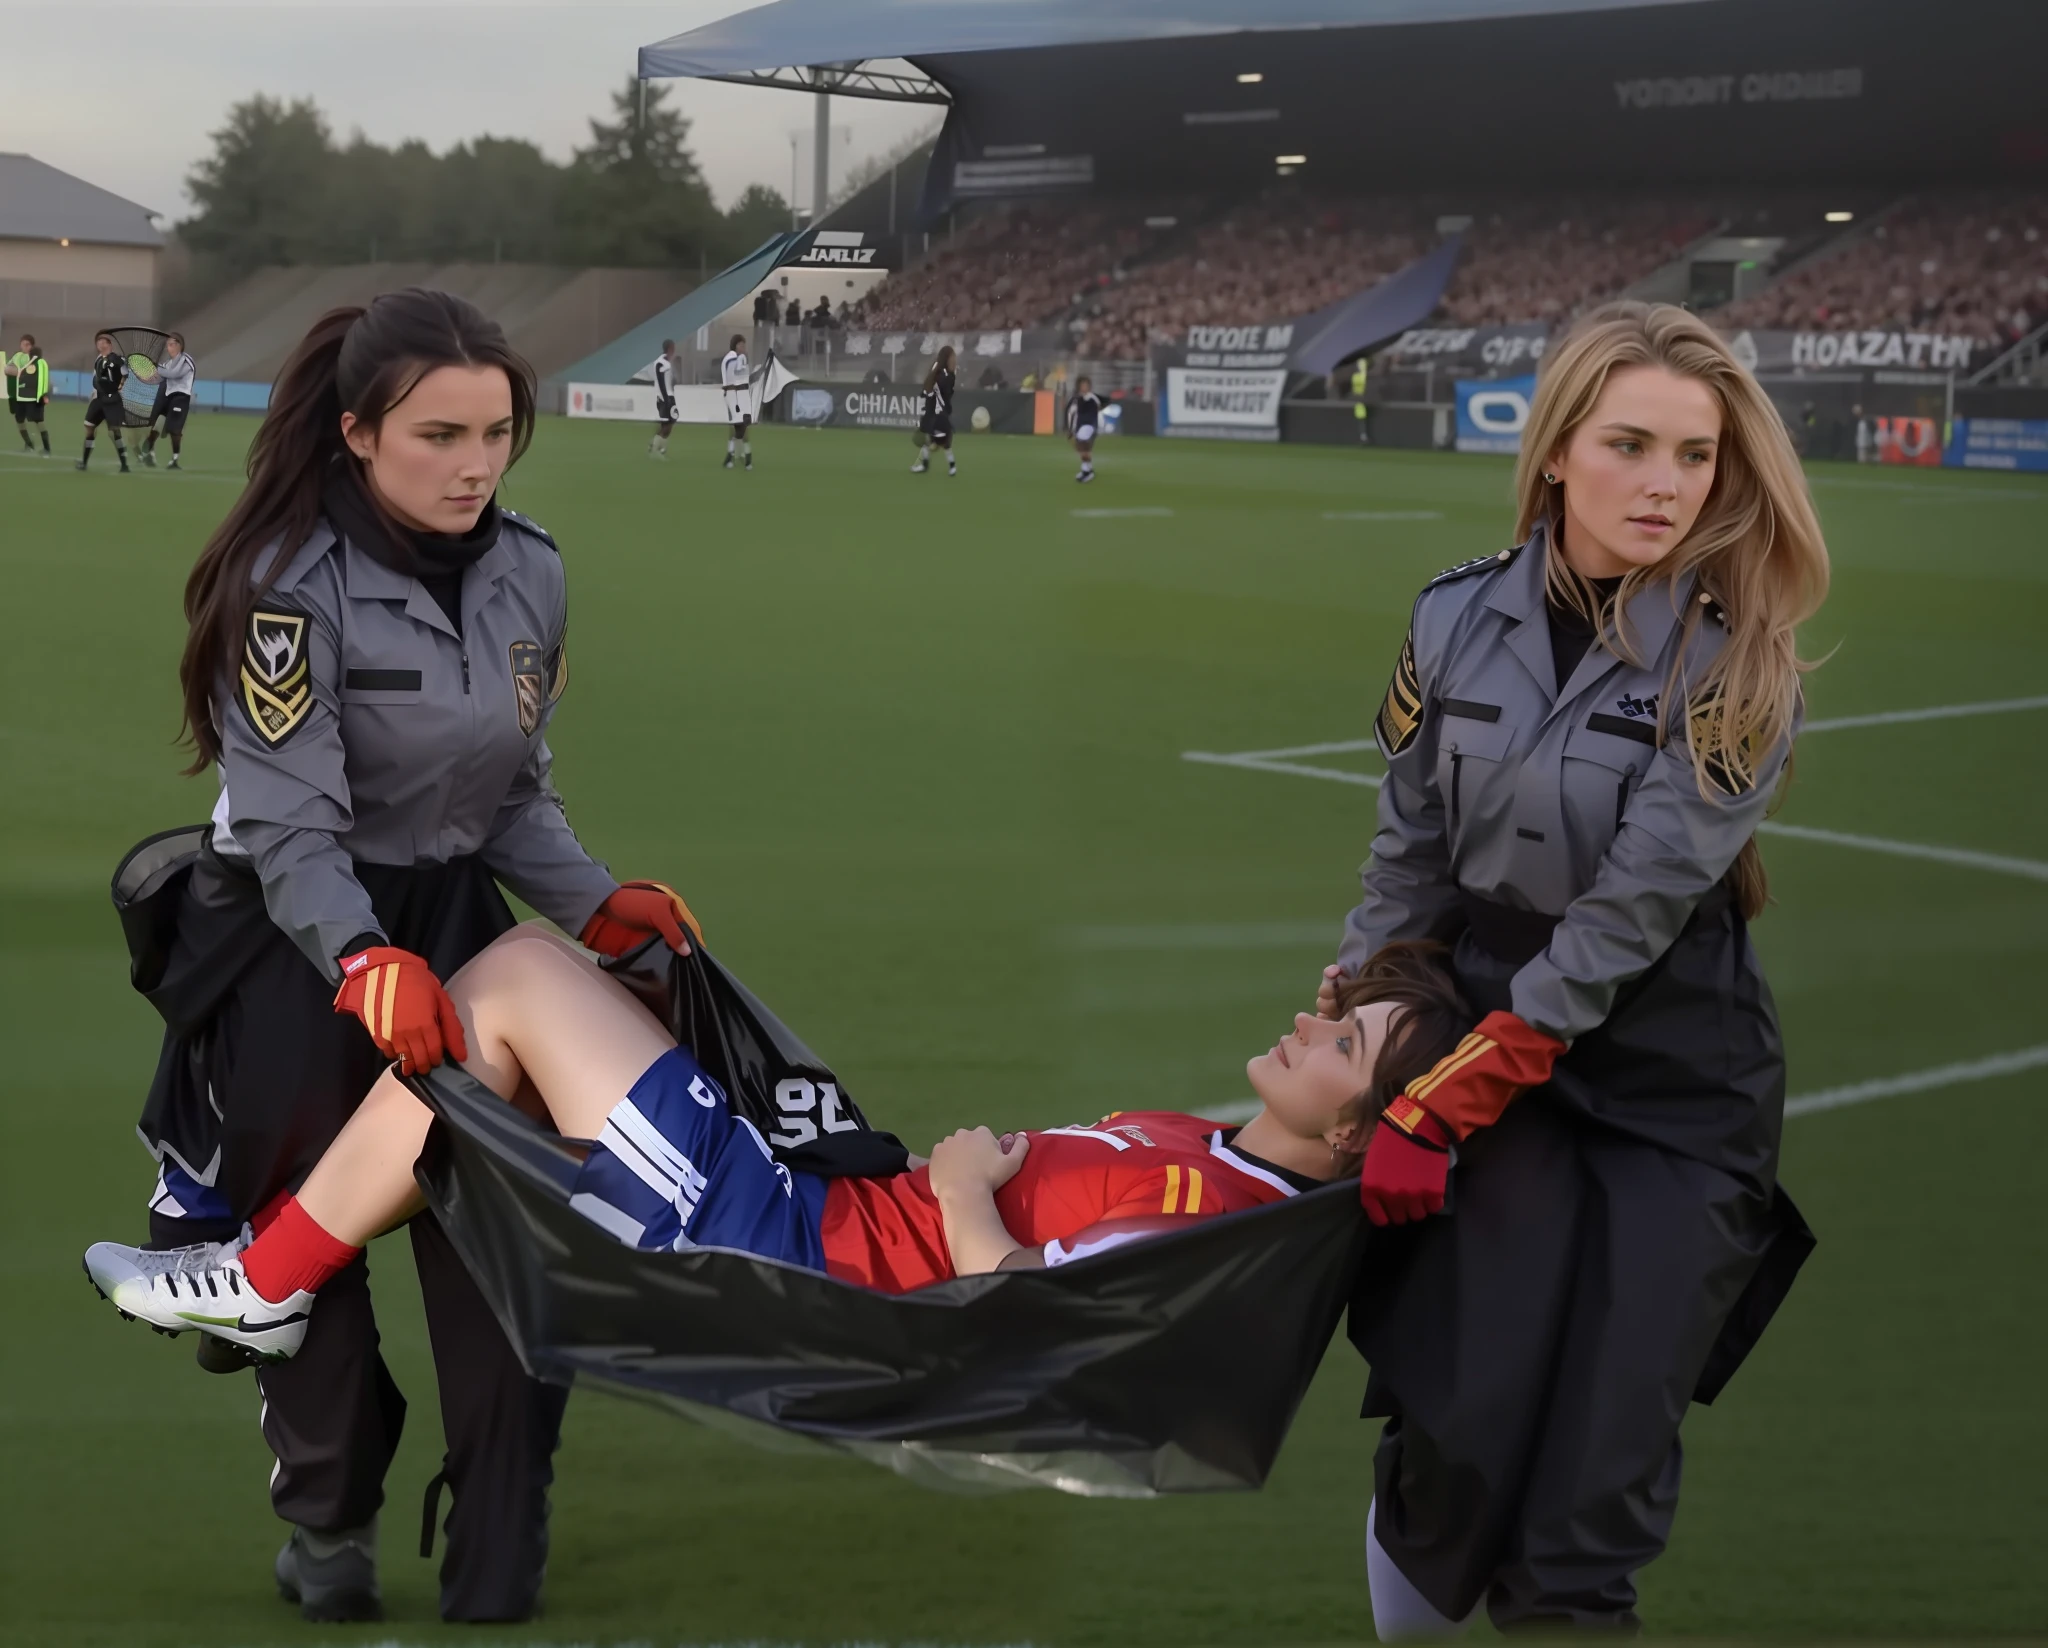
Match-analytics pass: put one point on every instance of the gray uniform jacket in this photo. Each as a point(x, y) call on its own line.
point(1562, 803)
point(361, 727)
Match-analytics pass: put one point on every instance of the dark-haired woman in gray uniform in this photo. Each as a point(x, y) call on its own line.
point(376, 649)
point(1581, 737)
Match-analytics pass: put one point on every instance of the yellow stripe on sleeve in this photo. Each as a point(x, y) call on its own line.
point(1194, 1191)
point(1172, 1188)
point(1472, 1047)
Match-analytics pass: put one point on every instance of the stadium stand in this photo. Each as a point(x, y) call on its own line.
point(1266, 259)
point(1282, 254)
point(1549, 260)
point(1022, 266)
point(1972, 264)
point(553, 316)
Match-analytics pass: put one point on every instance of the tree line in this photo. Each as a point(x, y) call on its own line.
point(278, 188)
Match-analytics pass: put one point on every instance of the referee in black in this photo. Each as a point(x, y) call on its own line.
point(1582, 735)
point(375, 652)
point(109, 372)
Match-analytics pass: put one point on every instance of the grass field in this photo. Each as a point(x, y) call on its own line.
point(913, 749)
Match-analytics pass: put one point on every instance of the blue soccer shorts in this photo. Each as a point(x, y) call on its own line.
point(674, 1168)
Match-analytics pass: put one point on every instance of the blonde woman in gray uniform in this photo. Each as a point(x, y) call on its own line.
point(376, 649)
point(1582, 735)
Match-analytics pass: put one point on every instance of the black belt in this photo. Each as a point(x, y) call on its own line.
point(1519, 936)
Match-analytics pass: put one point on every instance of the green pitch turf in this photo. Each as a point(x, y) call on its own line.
point(913, 748)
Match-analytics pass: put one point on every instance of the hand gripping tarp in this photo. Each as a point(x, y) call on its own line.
point(1169, 1366)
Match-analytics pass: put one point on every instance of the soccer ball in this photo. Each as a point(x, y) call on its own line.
point(980, 421)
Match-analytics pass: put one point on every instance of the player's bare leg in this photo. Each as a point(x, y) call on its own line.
point(539, 1017)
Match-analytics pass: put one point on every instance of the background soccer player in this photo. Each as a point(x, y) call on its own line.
point(109, 372)
point(664, 398)
point(935, 421)
point(28, 389)
point(733, 375)
point(176, 375)
point(1084, 419)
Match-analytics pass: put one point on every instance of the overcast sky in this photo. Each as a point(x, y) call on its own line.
point(124, 95)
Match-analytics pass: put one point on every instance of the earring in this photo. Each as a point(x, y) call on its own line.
point(1552, 479)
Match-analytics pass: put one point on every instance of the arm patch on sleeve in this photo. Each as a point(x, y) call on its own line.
point(1704, 730)
point(558, 669)
point(276, 684)
point(1401, 714)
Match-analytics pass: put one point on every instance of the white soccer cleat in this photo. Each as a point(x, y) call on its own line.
point(202, 1288)
point(919, 467)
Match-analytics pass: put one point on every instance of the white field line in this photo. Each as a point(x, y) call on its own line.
point(1807, 1104)
point(2028, 869)
point(1383, 514)
point(1155, 512)
point(1940, 712)
point(1919, 1081)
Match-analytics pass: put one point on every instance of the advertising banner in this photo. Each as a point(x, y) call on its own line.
point(1850, 351)
point(1232, 405)
point(1999, 443)
point(1908, 441)
point(1468, 349)
point(919, 347)
point(695, 402)
point(891, 406)
point(1492, 413)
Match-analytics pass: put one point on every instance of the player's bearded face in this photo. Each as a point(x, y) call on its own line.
point(1310, 1075)
point(436, 457)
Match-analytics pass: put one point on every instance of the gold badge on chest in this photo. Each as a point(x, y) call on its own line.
point(529, 683)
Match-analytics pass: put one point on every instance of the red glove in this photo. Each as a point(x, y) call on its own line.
point(1405, 1165)
point(403, 1006)
point(636, 912)
point(1469, 1087)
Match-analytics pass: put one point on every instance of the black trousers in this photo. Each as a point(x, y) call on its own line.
point(1615, 1245)
point(257, 1075)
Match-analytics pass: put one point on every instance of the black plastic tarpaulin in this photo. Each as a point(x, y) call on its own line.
point(1169, 1366)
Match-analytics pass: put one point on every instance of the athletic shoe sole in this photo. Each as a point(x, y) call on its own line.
point(251, 1357)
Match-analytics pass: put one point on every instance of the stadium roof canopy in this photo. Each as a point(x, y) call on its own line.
point(787, 42)
point(1153, 97)
point(38, 202)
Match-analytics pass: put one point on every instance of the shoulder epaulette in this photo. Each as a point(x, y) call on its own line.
point(1479, 563)
point(534, 527)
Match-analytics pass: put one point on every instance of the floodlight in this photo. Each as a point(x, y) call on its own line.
point(1839, 217)
point(1250, 79)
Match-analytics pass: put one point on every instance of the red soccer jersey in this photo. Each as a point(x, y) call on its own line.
point(888, 1233)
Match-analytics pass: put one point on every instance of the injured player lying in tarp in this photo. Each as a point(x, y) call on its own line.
point(670, 1166)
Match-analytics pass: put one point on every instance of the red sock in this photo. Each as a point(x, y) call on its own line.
point(293, 1253)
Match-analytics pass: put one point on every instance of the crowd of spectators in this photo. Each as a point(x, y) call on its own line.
point(1020, 266)
point(1973, 264)
point(1549, 260)
point(1969, 265)
point(1269, 259)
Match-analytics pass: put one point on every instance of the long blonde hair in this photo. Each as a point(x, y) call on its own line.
point(1756, 546)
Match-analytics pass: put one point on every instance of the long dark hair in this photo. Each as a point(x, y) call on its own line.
point(942, 362)
point(363, 361)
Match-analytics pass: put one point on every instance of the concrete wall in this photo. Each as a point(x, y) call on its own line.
point(78, 264)
point(552, 315)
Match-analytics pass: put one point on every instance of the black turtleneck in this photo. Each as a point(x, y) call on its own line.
point(1570, 632)
point(435, 559)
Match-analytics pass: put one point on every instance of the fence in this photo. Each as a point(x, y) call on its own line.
point(208, 395)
